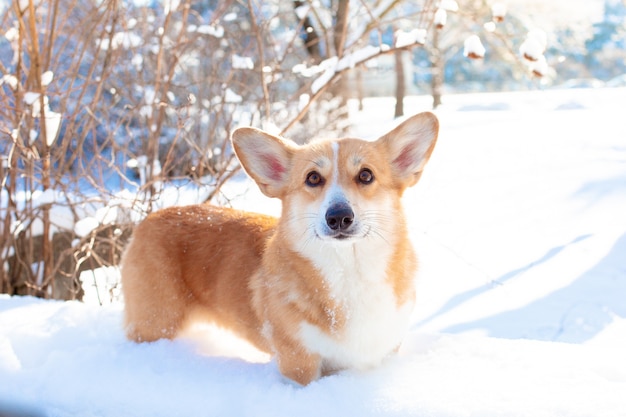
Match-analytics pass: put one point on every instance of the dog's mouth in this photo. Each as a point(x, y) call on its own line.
point(342, 235)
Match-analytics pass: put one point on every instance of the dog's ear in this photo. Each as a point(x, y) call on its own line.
point(265, 157)
point(410, 145)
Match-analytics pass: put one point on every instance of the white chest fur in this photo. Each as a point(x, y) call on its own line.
point(375, 324)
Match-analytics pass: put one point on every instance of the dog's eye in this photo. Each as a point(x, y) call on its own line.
point(314, 179)
point(365, 176)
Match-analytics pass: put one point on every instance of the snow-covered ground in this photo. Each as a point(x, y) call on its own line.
point(520, 223)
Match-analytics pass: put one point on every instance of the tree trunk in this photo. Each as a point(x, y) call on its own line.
point(436, 62)
point(340, 88)
point(341, 26)
point(400, 83)
point(311, 37)
point(359, 86)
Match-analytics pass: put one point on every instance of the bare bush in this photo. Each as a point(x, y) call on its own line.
point(107, 109)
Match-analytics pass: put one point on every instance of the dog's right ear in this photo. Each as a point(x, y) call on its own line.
point(265, 157)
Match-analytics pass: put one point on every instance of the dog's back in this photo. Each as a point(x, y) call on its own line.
point(191, 260)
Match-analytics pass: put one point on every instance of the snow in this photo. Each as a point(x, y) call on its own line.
point(531, 49)
point(302, 11)
point(217, 31)
point(52, 122)
point(101, 286)
point(409, 38)
point(231, 97)
point(498, 11)
point(52, 119)
point(12, 35)
point(534, 46)
point(473, 47)
point(30, 97)
point(171, 6)
point(303, 101)
point(104, 215)
point(329, 66)
point(125, 40)
point(441, 17)
point(85, 226)
point(540, 66)
point(333, 65)
point(242, 62)
point(450, 5)
point(46, 78)
point(230, 17)
point(519, 223)
point(11, 80)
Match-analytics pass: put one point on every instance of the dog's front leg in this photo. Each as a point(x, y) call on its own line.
point(300, 367)
point(295, 362)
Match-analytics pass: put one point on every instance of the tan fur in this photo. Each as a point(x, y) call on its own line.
point(267, 279)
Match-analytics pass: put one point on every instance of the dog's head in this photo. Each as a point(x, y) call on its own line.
point(339, 190)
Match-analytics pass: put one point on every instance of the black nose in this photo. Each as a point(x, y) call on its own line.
point(339, 216)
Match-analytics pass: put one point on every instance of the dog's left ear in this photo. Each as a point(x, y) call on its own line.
point(409, 147)
point(265, 157)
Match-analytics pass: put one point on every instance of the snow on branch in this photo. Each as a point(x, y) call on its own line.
point(473, 48)
point(535, 45)
point(330, 66)
point(449, 5)
point(415, 36)
point(532, 49)
point(242, 62)
point(216, 31)
point(40, 108)
point(441, 17)
point(498, 12)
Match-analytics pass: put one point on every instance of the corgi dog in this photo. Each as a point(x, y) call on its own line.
point(327, 286)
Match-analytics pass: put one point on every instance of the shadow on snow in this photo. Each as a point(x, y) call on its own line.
point(573, 314)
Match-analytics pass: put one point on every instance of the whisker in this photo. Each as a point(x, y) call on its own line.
point(304, 216)
point(377, 233)
point(309, 238)
point(377, 215)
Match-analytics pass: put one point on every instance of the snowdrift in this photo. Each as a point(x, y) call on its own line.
point(520, 227)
